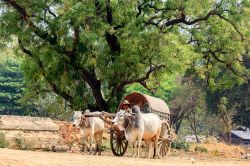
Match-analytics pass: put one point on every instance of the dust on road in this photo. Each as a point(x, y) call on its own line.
point(10, 157)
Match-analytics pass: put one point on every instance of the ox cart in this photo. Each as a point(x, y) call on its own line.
point(147, 104)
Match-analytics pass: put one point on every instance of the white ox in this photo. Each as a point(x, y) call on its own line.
point(138, 126)
point(91, 127)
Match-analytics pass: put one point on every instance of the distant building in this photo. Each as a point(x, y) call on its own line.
point(241, 136)
point(192, 138)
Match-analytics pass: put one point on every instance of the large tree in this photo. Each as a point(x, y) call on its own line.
point(88, 51)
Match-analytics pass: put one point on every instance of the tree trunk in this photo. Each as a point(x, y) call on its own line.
point(95, 86)
point(227, 122)
point(194, 127)
point(101, 103)
point(178, 125)
point(229, 137)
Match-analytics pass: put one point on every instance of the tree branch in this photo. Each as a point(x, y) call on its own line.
point(98, 8)
point(54, 87)
point(182, 19)
point(111, 39)
point(39, 32)
point(227, 64)
point(234, 26)
point(75, 40)
point(141, 79)
point(26, 51)
point(144, 84)
point(119, 26)
point(140, 8)
point(22, 12)
point(179, 20)
point(109, 12)
point(50, 12)
point(213, 53)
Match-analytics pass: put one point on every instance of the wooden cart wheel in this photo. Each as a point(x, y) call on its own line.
point(164, 143)
point(118, 143)
point(164, 146)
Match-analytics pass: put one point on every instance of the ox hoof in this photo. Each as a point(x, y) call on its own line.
point(157, 157)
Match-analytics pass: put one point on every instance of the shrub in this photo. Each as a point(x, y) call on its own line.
point(3, 142)
point(200, 149)
point(105, 146)
point(180, 144)
point(21, 143)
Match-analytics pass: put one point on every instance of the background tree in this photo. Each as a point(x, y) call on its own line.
point(89, 51)
point(48, 105)
point(190, 114)
point(12, 101)
point(187, 102)
point(11, 84)
point(225, 115)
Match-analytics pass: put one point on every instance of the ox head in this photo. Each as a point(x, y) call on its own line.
point(136, 110)
point(77, 119)
point(122, 119)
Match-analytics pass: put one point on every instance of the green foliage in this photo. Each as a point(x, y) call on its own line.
point(50, 105)
point(240, 100)
point(242, 116)
point(21, 143)
point(180, 144)
point(11, 84)
point(237, 103)
point(105, 146)
point(3, 142)
point(188, 103)
point(90, 52)
point(165, 90)
point(222, 106)
point(200, 149)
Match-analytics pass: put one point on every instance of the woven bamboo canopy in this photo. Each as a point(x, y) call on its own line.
point(141, 100)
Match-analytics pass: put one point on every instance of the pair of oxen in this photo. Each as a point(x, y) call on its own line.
point(136, 126)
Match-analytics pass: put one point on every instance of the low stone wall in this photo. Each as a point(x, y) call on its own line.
point(32, 139)
point(27, 123)
point(35, 132)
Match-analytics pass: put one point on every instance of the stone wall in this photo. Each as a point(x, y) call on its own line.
point(36, 132)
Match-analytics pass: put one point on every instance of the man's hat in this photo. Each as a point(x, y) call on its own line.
point(125, 102)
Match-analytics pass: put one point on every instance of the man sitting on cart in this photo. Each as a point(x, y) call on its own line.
point(126, 106)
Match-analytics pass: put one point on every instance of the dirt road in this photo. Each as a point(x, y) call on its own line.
point(9, 157)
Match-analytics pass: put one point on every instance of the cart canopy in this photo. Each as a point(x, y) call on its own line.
point(147, 103)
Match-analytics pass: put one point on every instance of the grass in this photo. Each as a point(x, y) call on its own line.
point(3, 142)
point(200, 149)
point(21, 143)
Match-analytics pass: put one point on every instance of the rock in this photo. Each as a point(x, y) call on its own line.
point(62, 148)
